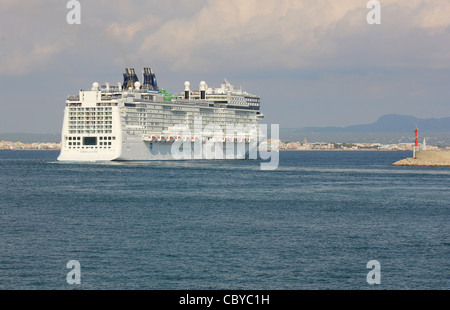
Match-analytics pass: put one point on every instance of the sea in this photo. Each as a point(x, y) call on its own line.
point(318, 222)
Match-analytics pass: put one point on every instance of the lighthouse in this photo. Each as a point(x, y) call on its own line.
point(416, 144)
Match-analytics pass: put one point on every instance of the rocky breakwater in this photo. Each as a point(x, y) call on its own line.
point(427, 158)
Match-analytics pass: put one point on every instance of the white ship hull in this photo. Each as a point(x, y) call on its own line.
point(147, 151)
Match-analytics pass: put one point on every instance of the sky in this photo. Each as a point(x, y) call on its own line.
point(312, 62)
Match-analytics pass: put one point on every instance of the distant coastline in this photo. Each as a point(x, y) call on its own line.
point(282, 146)
point(337, 146)
point(35, 146)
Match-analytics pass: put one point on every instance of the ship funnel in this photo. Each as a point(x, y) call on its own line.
point(202, 90)
point(129, 78)
point(149, 79)
point(187, 89)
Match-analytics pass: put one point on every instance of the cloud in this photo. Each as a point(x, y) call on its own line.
point(128, 31)
point(25, 60)
point(296, 34)
point(235, 35)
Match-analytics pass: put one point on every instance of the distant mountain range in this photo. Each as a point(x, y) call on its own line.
point(391, 128)
point(391, 123)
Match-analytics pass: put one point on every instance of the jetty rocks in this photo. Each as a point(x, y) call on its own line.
point(424, 163)
point(427, 158)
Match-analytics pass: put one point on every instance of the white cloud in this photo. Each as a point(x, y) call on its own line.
point(290, 34)
point(128, 31)
point(239, 35)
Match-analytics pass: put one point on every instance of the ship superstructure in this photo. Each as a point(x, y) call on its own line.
point(134, 121)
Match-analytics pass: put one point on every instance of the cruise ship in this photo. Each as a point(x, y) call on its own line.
point(134, 121)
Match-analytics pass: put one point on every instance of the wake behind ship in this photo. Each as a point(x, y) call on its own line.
point(138, 122)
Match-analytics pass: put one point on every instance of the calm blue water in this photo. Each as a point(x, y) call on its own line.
point(312, 224)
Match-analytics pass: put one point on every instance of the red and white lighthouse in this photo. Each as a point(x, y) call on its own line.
point(416, 145)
